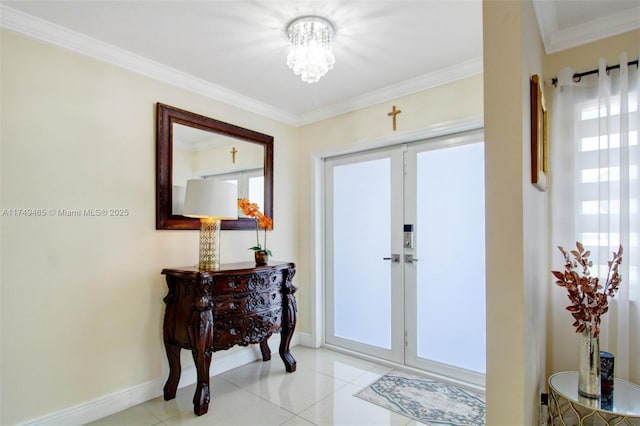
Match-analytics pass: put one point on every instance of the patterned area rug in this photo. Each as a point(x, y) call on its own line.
point(427, 401)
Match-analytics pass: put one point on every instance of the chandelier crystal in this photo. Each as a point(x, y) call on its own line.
point(310, 47)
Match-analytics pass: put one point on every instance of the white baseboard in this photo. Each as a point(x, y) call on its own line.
point(118, 401)
point(305, 339)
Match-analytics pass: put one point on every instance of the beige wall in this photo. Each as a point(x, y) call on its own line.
point(535, 232)
point(517, 236)
point(82, 296)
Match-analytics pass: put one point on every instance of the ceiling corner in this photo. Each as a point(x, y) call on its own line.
point(547, 21)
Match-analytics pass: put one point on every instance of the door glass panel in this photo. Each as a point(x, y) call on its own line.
point(361, 238)
point(450, 248)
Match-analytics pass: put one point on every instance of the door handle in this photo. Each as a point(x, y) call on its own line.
point(408, 258)
point(395, 258)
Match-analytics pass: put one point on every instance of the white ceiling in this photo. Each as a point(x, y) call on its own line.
point(235, 51)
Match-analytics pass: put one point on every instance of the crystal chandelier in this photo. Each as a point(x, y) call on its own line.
point(310, 44)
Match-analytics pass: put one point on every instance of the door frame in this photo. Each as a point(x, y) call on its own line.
point(315, 247)
point(403, 349)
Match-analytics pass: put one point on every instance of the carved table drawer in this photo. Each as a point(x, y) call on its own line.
point(250, 282)
point(246, 330)
point(244, 303)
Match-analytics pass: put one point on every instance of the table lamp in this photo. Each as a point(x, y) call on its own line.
point(210, 201)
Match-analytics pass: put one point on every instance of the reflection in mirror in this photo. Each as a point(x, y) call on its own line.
point(192, 146)
point(204, 155)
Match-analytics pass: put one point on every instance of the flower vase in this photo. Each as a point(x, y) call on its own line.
point(589, 373)
point(262, 258)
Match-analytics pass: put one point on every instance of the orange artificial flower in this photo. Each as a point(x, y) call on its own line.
point(262, 221)
point(248, 208)
point(265, 222)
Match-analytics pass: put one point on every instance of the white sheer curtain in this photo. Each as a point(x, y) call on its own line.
point(595, 191)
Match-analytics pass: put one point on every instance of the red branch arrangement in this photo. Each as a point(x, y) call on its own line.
point(587, 302)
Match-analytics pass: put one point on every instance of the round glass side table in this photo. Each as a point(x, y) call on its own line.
point(566, 407)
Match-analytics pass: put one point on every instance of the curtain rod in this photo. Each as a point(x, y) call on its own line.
point(578, 76)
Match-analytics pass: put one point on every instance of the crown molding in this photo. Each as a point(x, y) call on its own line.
point(556, 40)
point(418, 84)
point(49, 32)
point(46, 31)
point(607, 26)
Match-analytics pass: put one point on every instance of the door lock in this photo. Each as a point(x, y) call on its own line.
point(407, 239)
point(395, 258)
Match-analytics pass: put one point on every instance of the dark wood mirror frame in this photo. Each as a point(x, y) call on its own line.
point(166, 116)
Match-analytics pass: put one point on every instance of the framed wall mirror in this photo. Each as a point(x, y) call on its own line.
point(192, 146)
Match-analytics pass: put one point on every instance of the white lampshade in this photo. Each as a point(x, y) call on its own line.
point(211, 201)
point(211, 198)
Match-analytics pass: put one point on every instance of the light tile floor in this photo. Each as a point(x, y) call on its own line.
point(320, 392)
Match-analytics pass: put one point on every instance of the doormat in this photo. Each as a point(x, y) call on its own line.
point(425, 400)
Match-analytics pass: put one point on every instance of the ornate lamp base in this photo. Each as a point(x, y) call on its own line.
point(209, 244)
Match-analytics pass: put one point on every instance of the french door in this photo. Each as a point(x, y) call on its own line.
point(405, 255)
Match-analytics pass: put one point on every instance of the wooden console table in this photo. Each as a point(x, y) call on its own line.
point(238, 304)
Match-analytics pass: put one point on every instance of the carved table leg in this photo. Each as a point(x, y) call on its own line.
point(172, 349)
point(173, 355)
point(264, 348)
point(202, 395)
point(288, 325)
point(201, 336)
point(202, 330)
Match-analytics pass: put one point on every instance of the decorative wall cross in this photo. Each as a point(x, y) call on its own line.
point(233, 152)
point(394, 112)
